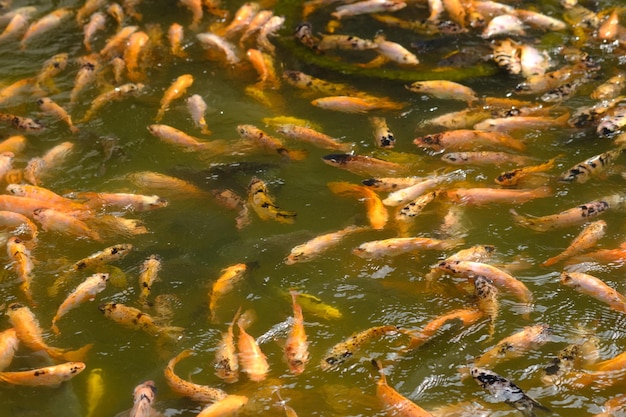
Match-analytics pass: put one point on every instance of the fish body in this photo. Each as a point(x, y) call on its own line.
point(178, 138)
point(22, 264)
point(115, 94)
point(175, 35)
point(339, 353)
point(148, 274)
point(224, 284)
point(376, 212)
point(176, 90)
point(505, 24)
point(49, 106)
point(383, 136)
point(197, 108)
point(229, 406)
point(540, 20)
point(512, 123)
point(21, 123)
point(212, 41)
point(86, 291)
point(115, 44)
point(16, 26)
point(95, 391)
point(312, 84)
point(408, 194)
point(313, 248)
point(242, 18)
point(269, 28)
point(260, 19)
point(591, 167)
point(364, 165)
point(466, 316)
point(514, 346)
point(510, 178)
point(143, 399)
point(105, 256)
point(97, 23)
point(199, 393)
point(263, 205)
point(395, 403)
point(134, 55)
point(124, 201)
point(586, 239)
point(506, 391)
point(483, 158)
point(44, 24)
point(353, 104)
point(166, 185)
point(9, 344)
point(315, 306)
point(296, 347)
point(485, 195)
point(391, 183)
point(596, 288)
point(44, 194)
point(468, 140)
point(394, 52)
point(401, 245)
point(444, 89)
point(345, 43)
point(226, 362)
point(58, 221)
point(136, 319)
point(85, 77)
point(50, 376)
point(313, 137)
point(610, 89)
point(487, 294)
point(251, 359)
point(367, 7)
point(259, 137)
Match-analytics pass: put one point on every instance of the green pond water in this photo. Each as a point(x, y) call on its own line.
point(196, 237)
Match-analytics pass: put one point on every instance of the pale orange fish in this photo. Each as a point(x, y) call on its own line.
point(610, 89)
point(226, 362)
point(224, 284)
point(258, 136)
point(596, 288)
point(365, 165)
point(58, 221)
point(9, 344)
point(117, 13)
point(263, 205)
point(85, 77)
point(88, 8)
point(242, 18)
point(176, 90)
point(581, 354)
point(197, 108)
point(604, 374)
point(136, 47)
point(22, 223)
point(570, 217)
point(144, 395)
point(400, 245)
point(22, 123)
point(504, 25)
point(48, 106)
point(229, 406)
point(314, 247)
point(264, 65)
point(116, 43)
point(176, 35)
point(501, 279)
point(115, 94)
point(16, 26)
point(444, 89)
point(466, 316)
point(602, 255)
point(510, 178)
point(261, 18)
point(507, 124)
point(391, 183)
point(367, 7)
point(376, 212)
point(251, 359)
point(166, 185)
point(610, 28)
point(586, 239)
point(296, 346)
point(29, 332)
point(148, 274)
point(345, 43)
point(181, 139)
point(407, 194)
point(212, 43)
point(50, 376)
point(44, 24)
point(200, 393)
point(14, 144)
point(44, 194)
point(6, 164)
point(353, 104)
point(484, 158)
point(97, 23)
point(195, 7)
point(21, 87)
point(22, 263)
point(516, 345)
point(118, 67)
point(342, 351)
point(392, 51)
point(468, 140)
point(395, 404)
point(483, 196)
point(136, 319)
point(125, 201)
point(312, 136)
point(86, 291)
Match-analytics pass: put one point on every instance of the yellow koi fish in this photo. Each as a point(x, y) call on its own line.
point(116, 94)
point(136, 319)
point(22, 264)
point(9, 344)
point(263, 204)
point(487, 294)
point(148, 274)
point(224, 284)
point(586, 239)
point(466, 316)
point(176, 90)
point(229, 406)
point(513, 177)
point(50, 376)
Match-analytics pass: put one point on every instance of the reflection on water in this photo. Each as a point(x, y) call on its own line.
point(197, 235)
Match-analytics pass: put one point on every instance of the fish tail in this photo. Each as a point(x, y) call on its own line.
point(79, 354)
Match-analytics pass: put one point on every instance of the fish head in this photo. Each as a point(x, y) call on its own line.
point(337, 158)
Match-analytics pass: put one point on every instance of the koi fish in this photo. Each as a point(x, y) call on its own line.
point(482, 196)
point(507, 391)
point(483, 158)
point(367, 7)
point(143, 398)
point(148, 274)
point(576, 215)
point(507, 124)
point(14, 144)
point(376, 212)
point(513, 177)
point(43, 194)
point(596, 288)
point(296, 347)
point(105, 256)
point(477, 253)
point(53, 220)
point(115, 94)
point(586, 239)
point(252, 360)
point(200, 393)
point(501, 279)
point(530, 337)
point(97, 23)
point(258, 136)
point(610, 89)
point(602, 255)
point(383, 136)
point(352, 104)
point(85, 76)
point(466, 316)
point(339, 353)
point(22, 123)
point(174, 91)
point(593, 166)
point(9, 344)
point(311, 249)
point(392, 183)
point(212, 42)
point(400, 245)
point(315, 306)
point(95, 391)
point(487, 294)
point(269, 28)
point(166, 185)
point(197, 107)
point(364, 165)
point(50, 376)
point(395, 403)
point(87, 290)
point(406, 214)
point(181, 139)
point(22, 262)
point(224, 284)
point(229, 406)
point(28, 330)
point(312, 136)
point(263, 205)
point(124, 201)
point(175, 35)
point(307, 82)
point(226, 363)
point(345, 43)
point(44, 24)
point(115, 44)
point(408, 194)
point(467, 139)
point(136, 319)
point(392, 51)
point(444, 89)
point(612, 406)
point(257, 22)
point(580, 354)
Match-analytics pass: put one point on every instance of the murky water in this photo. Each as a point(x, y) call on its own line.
point(196, 238)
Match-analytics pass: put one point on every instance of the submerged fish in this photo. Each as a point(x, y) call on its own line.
point(342, 351)
point(395, 403)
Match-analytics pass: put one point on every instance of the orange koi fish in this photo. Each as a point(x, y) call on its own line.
point(395, 403)
point(513, 177)
point(579, 355)
point(339, 353)
point(591, 167)
point(115, 94)
point(407, 194)
point(383, 136)
point(258, 136)
point(482, 196)
point(8, 346)
point(596, 288)
point(226, 363)
point(364, 165)
point(44, 194)
point(166, 185)
point(181, 139)
point(586, 239)
point(124, 201)
point(174, 91)
point(612, 406)
point(605, 374)
point(48, 106)
point(97, 23)
point(466, 316)
point(444, 90)
point(296, 346)
point(175, 35)
point(483, 158)
point(200, 393)
point(53, 220)
point(85, 77)
point(400, 245)
point(49, 376)
point(134, 54)
point(136, 319)
point(312, 84)
point(468, 140)
point(252, 360)
point(529, 338)
point(22, 263)
point(87, 290)
point(14, 144)
point(376, 212)
point(312, 136)
point(314, 247)
point(46, 23)
point(224, 284)
point(229, 406)
point(352, 104)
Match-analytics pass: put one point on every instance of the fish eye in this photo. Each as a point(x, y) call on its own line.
point(40, 101)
